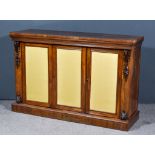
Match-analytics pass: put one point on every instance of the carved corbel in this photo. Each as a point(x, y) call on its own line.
point(17, 51)
point(126, 56)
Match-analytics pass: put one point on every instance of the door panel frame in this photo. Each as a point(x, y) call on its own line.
point(86, 56)
point(119, 81)
point(37, 103)
point(83, 78)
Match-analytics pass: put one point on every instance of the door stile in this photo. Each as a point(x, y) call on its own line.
point(83, 79)
point(53, 73)
point(88, 79)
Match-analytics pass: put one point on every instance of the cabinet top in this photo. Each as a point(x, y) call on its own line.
point(81, 38)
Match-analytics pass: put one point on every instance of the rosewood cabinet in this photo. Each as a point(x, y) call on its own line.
point(89, 78)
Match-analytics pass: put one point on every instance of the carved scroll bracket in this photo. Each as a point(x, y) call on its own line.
point(17, 50)
point(126, 57)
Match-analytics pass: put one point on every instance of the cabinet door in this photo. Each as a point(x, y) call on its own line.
point(103, 80)
point(70, 79)
point(36, 91)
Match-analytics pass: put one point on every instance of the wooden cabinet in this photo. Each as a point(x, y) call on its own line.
point(89, 78)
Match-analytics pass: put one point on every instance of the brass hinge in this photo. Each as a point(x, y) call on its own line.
point(126, 56)
point(17, 51)
point(18, 99)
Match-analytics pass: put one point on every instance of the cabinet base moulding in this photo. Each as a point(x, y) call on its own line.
point(106, 122)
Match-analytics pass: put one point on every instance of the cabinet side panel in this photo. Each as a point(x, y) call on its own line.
point(135, 80)
point(130, 86)
point(36, 74)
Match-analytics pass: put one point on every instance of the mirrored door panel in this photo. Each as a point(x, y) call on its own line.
point(69, 77)
point(103, 81)
point(36, 63)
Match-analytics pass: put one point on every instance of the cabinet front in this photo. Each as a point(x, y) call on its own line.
point(36, 75)
point(103, 92)
point(73, 78)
